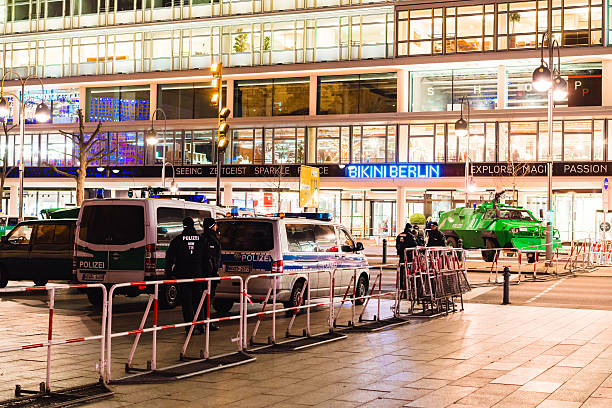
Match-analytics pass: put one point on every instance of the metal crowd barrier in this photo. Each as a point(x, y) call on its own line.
point(182, 370)
point(581, 256)
point(352, 298)
point(537, 253)
point(297, 342)
point(434, 278)
point(74, 394)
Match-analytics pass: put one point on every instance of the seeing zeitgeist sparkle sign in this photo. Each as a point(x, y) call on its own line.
point(373, 171)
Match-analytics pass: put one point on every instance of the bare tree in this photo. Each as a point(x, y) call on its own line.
point(5, 170)
point(83, 143)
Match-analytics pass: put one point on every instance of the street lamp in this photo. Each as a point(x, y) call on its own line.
point(216, 70)
point(152, 139)
point(550, 81)
point(462, 129)
point(42, 115)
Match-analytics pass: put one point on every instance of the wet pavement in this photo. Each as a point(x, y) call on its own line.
point(519, 355)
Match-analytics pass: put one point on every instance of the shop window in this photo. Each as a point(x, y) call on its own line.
point(63, 105)
point(444, 90)
point(188, 101)
point(242, 146)
point(328, 145)
point(351, 94)
point(116, 104)
point(275, 97)
point(199, 147)
point(421, 143)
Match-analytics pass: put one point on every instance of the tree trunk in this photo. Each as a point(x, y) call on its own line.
point(80, 183)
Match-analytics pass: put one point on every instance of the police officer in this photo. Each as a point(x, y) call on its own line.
point(404, 241)
point(418, 235)
point(186, 258)
point(213, 256)
point(435, 236)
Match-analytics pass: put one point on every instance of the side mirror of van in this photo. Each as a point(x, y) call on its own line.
point(359, 247)
point(346, 248)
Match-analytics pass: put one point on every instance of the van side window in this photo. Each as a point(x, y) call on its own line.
point(21, 235)
point(325, 236)
point(62, 234)
point(198, 216)
point(301, 238)
point(44, 234)
point(345, 239)
point(169, 223)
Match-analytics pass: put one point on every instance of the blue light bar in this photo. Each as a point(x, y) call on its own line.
point(311, 216)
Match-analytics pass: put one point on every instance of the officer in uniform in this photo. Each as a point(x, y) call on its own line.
point(186, 258)
point(402, 242)
point(213, 256)
point(435, 236)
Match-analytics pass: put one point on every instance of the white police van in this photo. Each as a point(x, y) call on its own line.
point(125, 240)
point(287, 243)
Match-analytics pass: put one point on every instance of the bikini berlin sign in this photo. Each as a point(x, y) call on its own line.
point(401, 171)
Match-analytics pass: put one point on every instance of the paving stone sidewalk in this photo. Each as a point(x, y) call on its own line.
point(487, 356)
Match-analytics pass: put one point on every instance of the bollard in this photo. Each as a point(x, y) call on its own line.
point(384, 257)
point(506, 300)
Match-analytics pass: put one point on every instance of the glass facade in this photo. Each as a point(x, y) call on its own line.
point(496, 27)
point(346, 94)
point(187, 100)
point(496, 141)
point(444, 90)
point(265, 40)
point(274, 97)
point(119, 103)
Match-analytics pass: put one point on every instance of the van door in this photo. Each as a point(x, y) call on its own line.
point(348, 258)
point(15, 252)
point(111, 242)
point(327, 248)
point(302, 253)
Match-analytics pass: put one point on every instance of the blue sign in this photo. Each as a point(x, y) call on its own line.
point(403, 171)
point(606, 183)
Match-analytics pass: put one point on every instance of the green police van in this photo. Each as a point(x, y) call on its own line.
point(125, 240)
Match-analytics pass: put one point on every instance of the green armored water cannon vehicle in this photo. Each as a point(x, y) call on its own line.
point(495, 225)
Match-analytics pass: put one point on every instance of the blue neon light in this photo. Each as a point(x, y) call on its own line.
point(374, 171)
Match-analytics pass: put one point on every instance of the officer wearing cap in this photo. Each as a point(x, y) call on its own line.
point(213, 256)
point(186, 257)
point(435, 236)
point(404, 241)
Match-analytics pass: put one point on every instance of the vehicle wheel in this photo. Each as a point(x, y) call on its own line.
point(3, 277)
point(168, 296)
point(223, 306)
point(362, 289)
point(40, 281)
point(452, 242)
point(295, 297)
point(95, 297)
point(489, 256)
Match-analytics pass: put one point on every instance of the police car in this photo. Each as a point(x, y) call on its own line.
point(288, 243)
point(125, 240)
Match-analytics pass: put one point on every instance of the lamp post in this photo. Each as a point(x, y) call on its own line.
point(462, 128)
point(547, 78)
point(42, 115)
point(152, 139)
point(222, 126)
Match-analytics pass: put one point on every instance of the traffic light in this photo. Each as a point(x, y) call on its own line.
point(130, 193)
point(223, 130)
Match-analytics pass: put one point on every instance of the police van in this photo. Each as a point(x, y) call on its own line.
point(287, 243)
point(125, 240)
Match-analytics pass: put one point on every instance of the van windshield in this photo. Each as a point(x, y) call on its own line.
point(246, 235)
point(112, 224)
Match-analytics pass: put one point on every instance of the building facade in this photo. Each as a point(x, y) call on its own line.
point(369, 91)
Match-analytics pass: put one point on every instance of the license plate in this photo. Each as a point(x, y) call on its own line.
point(238, 268)
point(95, 277)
